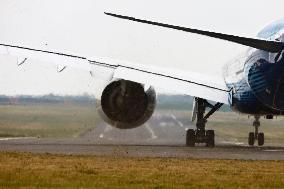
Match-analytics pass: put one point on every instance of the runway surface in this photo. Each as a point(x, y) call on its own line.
point(162, 136)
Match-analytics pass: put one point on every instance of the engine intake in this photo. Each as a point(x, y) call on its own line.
point(126, 105)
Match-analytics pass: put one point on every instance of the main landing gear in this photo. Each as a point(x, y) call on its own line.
point(200, 135)
point(256, 136)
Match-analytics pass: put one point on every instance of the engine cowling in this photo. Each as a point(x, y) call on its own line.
point(126, 105)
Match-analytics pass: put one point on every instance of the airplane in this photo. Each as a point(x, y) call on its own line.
point(251, 84)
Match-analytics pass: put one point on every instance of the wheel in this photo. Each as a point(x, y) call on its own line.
point(260, 139)
point(190, 138)
point(251, 139)
point(210, 136)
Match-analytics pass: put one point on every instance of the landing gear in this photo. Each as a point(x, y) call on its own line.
point(200, 135)
point(256, 135)
point(190, 138)
point(251, 139)
point(260, 139)
point(210, 138)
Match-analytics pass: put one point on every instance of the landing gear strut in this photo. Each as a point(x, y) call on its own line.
point(200, 135)
point(253, 136)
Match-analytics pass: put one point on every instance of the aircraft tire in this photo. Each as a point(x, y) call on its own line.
point(190, 138)
point(251, 139)
point(210, 135)
point(260, 139)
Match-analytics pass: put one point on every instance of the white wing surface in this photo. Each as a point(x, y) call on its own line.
point(24, 54)
point(183, 82)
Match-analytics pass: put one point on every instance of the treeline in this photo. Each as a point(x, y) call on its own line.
point(166, 102)
point(180, 102)
point(46, 99)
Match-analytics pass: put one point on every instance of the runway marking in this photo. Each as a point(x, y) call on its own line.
point(175, 118)
point(16, 138)
point(153, 136)
point(239, 143)
point(107, 129)
point(163, 124)
point(229, 142)
point(180, 124)
point(273, 150)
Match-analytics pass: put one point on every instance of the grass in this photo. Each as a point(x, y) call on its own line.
point(46, 120)
point(22, 170)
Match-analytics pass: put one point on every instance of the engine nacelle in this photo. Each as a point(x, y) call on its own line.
point(126, 105)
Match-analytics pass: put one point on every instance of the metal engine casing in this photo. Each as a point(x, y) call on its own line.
point(126, 105)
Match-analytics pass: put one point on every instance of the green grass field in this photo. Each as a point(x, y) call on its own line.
point(27, 171)
point(47, 120)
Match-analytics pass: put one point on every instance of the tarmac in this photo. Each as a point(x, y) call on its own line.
point(162, 136)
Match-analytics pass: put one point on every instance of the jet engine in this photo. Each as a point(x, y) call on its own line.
point(126, 104)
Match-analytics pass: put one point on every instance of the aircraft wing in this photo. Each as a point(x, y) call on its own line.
point(262, 44)
point(63, 59)
point(182, 82)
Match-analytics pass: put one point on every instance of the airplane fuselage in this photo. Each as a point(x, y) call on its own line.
point(257, 77)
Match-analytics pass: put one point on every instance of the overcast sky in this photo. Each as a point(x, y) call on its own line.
point(81, 28)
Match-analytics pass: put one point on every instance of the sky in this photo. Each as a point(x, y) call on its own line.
point(81, 28)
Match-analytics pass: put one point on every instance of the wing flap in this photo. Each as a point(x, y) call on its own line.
point(192, 86)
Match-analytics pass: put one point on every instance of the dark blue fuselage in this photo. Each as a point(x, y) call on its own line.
point(257, 77)
point(261, 89)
